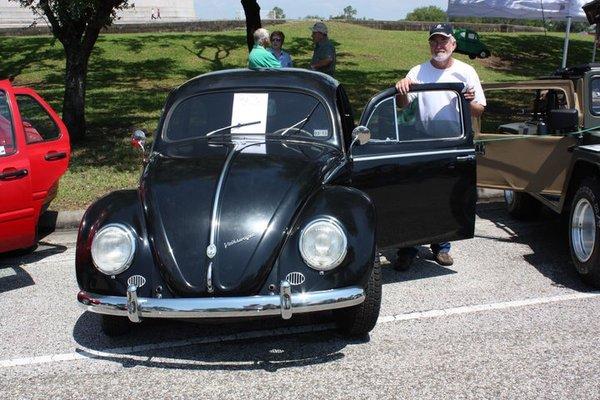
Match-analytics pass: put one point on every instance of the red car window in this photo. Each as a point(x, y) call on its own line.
point(7, 138)
point(37, 123)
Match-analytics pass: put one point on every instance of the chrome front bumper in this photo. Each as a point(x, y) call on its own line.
point(287, 303)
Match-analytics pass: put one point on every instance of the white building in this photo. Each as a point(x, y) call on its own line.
point(13, 15)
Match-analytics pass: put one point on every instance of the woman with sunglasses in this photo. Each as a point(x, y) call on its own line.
point(277, 38)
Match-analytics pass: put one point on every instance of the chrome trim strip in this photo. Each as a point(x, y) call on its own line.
point(217, 199)
point(224, 307)
point(406, 155)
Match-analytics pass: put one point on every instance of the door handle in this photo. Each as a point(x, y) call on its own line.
point(470, 157)
point(55, 155)
point(13, 174)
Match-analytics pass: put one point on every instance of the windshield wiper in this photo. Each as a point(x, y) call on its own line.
point(302, 121)
point(239, 125)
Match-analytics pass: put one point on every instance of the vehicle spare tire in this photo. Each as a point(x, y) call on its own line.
point(584, 231)
point(359, 320)
point(521, 205)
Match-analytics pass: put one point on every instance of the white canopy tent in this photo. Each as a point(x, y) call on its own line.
point(522, 9)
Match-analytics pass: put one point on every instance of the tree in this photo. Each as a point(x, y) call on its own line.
point(349, 12)
point(252, 12)
point(76, 24)
point(278, 13)
point(431, 13)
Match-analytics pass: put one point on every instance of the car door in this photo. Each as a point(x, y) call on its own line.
point(17, 215)
point(47, 142)
point(515, 155)
point(419, 172)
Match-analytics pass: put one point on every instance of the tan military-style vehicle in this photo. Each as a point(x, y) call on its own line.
point(540, 142)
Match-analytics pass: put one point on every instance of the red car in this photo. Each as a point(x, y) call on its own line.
point(34, 154)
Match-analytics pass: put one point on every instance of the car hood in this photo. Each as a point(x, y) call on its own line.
point(243, 197)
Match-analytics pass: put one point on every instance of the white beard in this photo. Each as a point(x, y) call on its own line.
point(441, 57)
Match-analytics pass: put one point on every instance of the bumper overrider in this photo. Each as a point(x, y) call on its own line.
point(286, 304)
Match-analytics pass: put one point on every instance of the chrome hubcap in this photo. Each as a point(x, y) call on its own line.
point(509, 196)
point(583, 230)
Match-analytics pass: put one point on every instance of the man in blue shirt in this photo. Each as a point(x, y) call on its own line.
point(260, 57)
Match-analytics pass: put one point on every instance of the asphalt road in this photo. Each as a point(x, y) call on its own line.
point(509, 320)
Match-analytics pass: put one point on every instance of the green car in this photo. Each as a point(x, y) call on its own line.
point(467, 42)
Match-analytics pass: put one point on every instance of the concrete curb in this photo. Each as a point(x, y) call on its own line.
point(52, 220)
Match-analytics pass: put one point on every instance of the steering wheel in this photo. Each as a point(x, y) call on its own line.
point(302, 131)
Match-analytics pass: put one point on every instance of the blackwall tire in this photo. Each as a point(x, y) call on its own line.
point(484, 54)
point(115, 326)
point(359, 320)
point(521, 205)
point(584, 231)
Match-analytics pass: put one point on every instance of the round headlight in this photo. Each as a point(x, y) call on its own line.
point(113, 248)
point(323, 244)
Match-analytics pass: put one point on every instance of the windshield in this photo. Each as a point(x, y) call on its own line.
point(284, 114)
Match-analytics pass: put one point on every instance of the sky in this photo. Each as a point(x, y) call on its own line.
point(377, 9)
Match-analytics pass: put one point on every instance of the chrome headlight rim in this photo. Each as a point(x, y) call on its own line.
point(334, 222)
point(131, 237)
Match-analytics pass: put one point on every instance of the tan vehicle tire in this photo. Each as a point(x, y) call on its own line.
point(359, 320)
point(584, 231)
point(521, 205)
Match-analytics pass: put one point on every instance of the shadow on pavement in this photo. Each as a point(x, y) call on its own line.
point(547, 238)
point(215, 346)
point(423, 267)
point(13, 277)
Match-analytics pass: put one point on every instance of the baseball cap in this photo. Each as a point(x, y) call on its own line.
point(441, 29)
point(319, 27)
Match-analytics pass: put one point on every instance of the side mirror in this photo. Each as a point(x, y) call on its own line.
point(360, 134)
point(138, 140)
point(563, 121)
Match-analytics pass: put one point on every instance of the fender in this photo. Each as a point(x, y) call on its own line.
point(356, 213)
point(122, 207)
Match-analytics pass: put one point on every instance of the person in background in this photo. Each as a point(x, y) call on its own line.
point(440, 68)
point(277, 39)
point(259, 56)
point(323, 59)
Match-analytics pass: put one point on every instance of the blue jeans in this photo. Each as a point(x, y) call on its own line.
point(443, 247)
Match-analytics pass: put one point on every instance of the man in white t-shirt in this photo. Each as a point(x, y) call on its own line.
point(442, 67)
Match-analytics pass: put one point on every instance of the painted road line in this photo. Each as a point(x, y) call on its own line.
point(128, 351)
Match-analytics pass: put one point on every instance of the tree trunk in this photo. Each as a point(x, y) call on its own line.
point(74, 100)
point(252, 11)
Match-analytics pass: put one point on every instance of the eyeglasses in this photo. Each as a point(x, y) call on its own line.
point(436, 42)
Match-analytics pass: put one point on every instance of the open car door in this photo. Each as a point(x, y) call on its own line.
point(17, 212)
point(522, 150)
point(418, 170)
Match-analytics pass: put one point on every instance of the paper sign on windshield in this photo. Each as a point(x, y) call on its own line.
point(250, 107)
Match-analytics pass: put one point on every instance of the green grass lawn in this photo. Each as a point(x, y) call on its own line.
point(130, 76)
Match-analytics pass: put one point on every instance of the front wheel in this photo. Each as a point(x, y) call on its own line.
point(359, 320)
point(584, 232)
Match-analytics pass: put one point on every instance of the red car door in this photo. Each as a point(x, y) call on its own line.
point(47, 142)
point(18, 217)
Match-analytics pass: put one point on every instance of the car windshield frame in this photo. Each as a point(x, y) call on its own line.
point(332, 138)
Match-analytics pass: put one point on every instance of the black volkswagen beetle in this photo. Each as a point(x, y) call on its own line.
point(260, 198)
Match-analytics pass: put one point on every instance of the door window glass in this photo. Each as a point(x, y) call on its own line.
point(7, 137)
point(430, 115)
point(382, 121)
point(37, 123)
